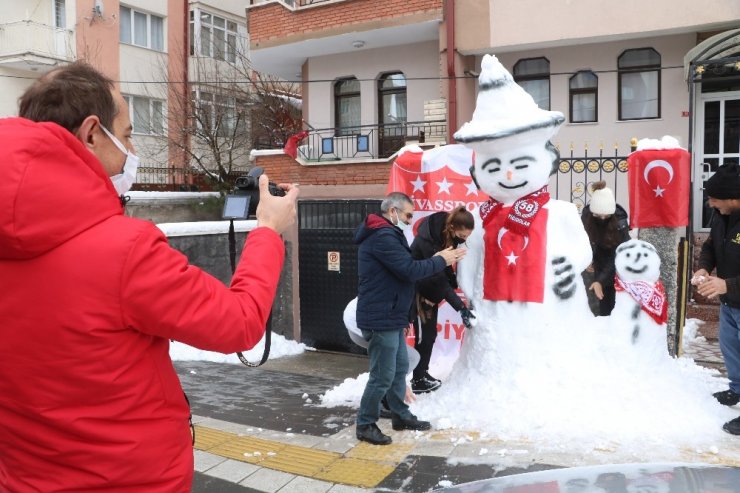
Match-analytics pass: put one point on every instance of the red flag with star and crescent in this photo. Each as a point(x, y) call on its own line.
point(659, 188)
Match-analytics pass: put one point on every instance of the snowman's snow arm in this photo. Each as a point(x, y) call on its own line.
point(471, 266)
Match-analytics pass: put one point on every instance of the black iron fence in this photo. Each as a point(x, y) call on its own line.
point(368, 141)
point(576, 173)
point(174, 179)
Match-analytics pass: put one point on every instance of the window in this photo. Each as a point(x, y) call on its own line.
point(584, 100)
point(147, 115)
point(141, 29)
point(392, 98)
point(60, 19)
point(346, 106)
point(639, 84)
point(213, 36)
point(224, 116)
point(533, 75)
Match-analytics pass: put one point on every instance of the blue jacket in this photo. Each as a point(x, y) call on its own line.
point(388, 274)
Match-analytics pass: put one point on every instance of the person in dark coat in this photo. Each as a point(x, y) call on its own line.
point(607, 227)
point(387, 274)
point(436, 232)
point(721, 250)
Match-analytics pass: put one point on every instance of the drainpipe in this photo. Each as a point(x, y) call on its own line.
point(452, 80)
point(186, 89)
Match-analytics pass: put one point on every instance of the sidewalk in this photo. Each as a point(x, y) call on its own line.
point(257, 429)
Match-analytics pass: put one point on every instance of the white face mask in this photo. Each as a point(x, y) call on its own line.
point(400, 224)
point(125, 180)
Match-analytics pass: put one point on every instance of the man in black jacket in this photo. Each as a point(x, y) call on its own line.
point(387, 273)
point(722, 250)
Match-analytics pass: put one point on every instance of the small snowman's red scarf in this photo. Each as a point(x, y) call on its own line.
point(515, 240)
point(651, 298)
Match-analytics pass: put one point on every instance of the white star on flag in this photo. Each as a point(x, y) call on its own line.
point(472, 189)
point(444, 186)
point(511, 258)
point(658, 191)
point(418, 184)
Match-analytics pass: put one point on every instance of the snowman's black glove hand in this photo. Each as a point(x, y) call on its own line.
point(565, 278)
point(466, 316)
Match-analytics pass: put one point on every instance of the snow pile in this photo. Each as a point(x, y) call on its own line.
point(691, 333)
point(667, 142)
point(279, 347)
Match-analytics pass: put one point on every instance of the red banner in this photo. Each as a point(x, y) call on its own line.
point(659, 188)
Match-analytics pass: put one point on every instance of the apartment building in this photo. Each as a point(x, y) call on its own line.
point(151, 49)
point(386, 70)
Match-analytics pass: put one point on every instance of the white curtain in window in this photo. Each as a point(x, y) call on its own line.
point(140, 29)
point(125, 25)
point(539, 90)
point(157, 117)
point(639, 96)
point(142, 119)
point(584, 108)
point(157, 33)
point(349, 112)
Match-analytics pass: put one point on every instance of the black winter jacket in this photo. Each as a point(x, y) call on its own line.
point(722, 250)
point(387, 274)
point(428, 241)
point(603, 257)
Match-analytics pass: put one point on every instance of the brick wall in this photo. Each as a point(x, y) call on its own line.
point(284, 169)
point(273, 20)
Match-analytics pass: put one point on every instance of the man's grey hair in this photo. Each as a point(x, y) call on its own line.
point(394, 200)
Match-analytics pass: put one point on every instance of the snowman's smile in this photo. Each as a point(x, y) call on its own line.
point(511, 187)
point(636, 271)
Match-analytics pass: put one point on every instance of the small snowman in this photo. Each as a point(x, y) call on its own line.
point(640, 309)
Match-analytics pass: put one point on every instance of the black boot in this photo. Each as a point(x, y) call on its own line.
point(412, 423)
point(727, 397)
point(372, 434)
point(733, 426)
point(422, 385)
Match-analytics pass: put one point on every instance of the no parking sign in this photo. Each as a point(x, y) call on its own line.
point(333, 261)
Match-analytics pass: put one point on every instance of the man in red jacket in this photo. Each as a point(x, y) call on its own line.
point(89, 399)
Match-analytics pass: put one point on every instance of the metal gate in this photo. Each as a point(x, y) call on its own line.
point(327, 259)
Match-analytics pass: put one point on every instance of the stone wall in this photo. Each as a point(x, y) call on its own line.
point(210, 252)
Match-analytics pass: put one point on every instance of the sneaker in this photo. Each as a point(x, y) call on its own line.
point(431, 378)
point(385, 409)
point(412, 423)
point(727, 397)
point(422, 386)
point(732, 427)
point(372, 434)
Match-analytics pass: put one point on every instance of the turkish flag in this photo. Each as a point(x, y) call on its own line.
point(659, 188)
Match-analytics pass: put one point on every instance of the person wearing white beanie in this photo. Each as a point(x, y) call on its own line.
point(607, 227)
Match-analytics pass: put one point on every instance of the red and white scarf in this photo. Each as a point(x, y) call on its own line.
point(650, 297)
point(521, 214)
point(515, 240)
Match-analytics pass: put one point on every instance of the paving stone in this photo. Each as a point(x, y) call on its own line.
point(232, 470)
point(306, 485)
point(267, 480)
point(205, 461)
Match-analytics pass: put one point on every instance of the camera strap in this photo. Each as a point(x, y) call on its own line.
point(268, 328)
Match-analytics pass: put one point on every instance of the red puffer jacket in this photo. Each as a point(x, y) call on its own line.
point(89, 399)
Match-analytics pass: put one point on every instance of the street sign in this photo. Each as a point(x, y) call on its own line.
point(333, 261)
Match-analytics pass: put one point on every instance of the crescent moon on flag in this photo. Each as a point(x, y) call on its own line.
point(658, 163)
point(503, 231)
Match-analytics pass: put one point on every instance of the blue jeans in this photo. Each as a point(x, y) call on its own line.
point(389, 363)
point(729, 343)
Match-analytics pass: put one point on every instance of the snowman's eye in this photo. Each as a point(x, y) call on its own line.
point(628, 255)
point(494, 163)
point(521, 166)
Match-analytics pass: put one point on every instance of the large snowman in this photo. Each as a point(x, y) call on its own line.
point(539, 366)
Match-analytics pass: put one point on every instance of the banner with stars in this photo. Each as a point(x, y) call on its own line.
point(659, 183)
point(438, 180)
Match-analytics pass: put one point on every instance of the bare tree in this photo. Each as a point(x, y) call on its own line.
point(222, 111)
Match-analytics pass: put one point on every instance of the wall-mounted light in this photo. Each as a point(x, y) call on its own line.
point(358, 43)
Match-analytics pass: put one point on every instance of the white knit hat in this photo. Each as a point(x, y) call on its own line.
point(602, 199)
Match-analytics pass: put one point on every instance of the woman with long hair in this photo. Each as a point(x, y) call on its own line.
point(436, 232)
point(607, 227)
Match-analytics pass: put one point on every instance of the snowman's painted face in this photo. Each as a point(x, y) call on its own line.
point(637, 260)
point(509, 174)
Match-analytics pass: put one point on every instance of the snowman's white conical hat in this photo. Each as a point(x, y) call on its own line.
point(505, 115)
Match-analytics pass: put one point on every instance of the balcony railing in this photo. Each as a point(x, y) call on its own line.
point(28, 38)
point(368, 141)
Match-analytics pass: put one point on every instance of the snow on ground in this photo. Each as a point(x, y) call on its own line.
point(691, 333)
point(279, 347)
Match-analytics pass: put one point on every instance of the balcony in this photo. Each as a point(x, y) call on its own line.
point(35, 47)
point(367, 142)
